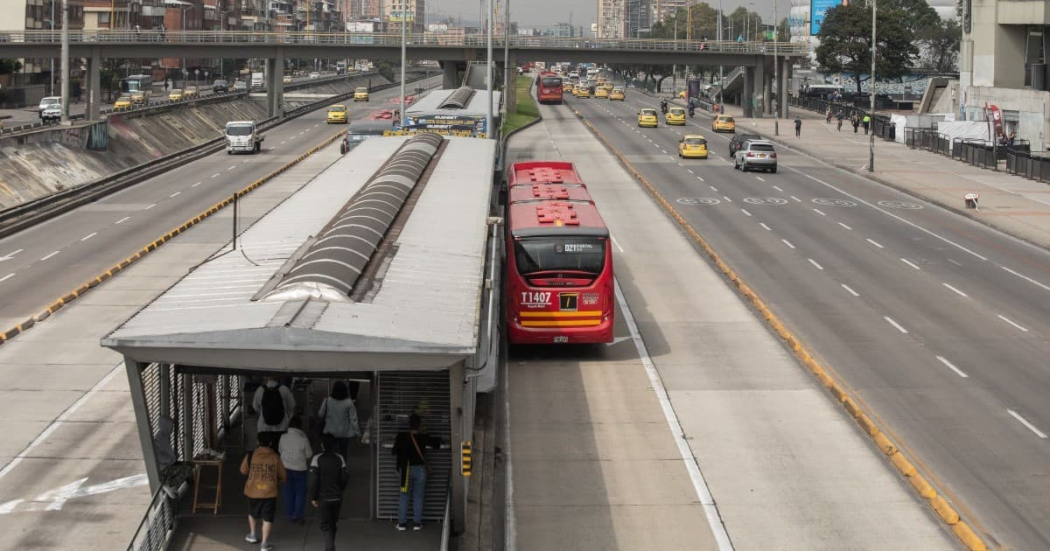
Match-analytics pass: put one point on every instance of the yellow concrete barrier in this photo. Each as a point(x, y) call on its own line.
point(903, 465)
point(969, 538)
point(944, 510)
point(922, 486)
point(885, 444)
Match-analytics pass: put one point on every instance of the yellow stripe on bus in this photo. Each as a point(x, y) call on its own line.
point(561, 323)
point(581, 314)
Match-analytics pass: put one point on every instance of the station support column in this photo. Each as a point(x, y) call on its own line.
point(767, 91)
point(142, 422)
point(94, 88)
point(758, 81)
point(275, 84)
point(782, 89)
point(459, 482)
point(747, 94)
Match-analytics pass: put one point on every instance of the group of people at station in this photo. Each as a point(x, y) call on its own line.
point(284, 464)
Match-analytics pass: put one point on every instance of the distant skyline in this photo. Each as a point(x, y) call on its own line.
point(543, 13)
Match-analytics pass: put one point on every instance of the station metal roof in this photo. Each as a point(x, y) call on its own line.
point(425, 314)
point(432, 104)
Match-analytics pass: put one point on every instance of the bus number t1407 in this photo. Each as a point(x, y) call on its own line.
point(535, 299)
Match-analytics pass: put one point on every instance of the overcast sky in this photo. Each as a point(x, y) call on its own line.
point(541, 13)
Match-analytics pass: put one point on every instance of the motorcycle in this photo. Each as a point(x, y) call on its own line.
point(692, 111)
point(663, 106)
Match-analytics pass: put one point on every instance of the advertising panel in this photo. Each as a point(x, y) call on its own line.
point(817, 9)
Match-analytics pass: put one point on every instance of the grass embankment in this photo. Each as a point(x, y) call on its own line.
point(526, 111)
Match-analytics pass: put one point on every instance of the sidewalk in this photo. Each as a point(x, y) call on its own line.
point(1015, 205)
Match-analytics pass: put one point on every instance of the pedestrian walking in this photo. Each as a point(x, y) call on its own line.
point(328, 480)
point(866, 122)
point(827, 116)
point(798, 127)
point(856, 122)
point(338, 415)
point(412, 468)
point(840, 116)
point(275, 405)
point(265, 474)
point(295, 456)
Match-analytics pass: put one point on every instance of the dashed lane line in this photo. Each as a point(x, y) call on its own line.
point(6, 277)
point(820, 212)
point(150, 206)
point(88, 236)
point(1013, 323)
point(960, 293)
point(850, 291)
point(176, 194)
point(845, 226)
point(1028, 425)
point(745, 212)
point(763, 224)
point(951, 366)
point(876, 243)
point(815, 264)
point(125, 219)
point(910, 263)
point(898, 326)
point(788, 243)
point(50, 255)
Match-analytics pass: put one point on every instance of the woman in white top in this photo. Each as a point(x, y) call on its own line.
point(339, 414)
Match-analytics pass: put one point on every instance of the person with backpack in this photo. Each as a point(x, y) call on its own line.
point(265, 474)
point(328, 479)
point(275, 405)
point(412, 470)
point(338, 414)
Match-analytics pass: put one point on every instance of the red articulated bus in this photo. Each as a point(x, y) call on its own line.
point(550, 88)
point(559, 279)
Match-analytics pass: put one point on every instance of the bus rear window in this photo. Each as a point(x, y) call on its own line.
point(551, 82)
point(560, 254)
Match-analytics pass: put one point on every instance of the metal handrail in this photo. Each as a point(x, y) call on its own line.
point(158, 522)
point(132, 37)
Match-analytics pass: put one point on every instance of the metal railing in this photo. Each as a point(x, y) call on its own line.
point(383, 39)
point(157, 525)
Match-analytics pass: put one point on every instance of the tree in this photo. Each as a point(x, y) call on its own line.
point(845, 40)
point(10, 66)
point(941, 46)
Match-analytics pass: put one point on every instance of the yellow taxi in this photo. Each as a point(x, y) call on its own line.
point(287, 79)
point(648, 118)
point(723, 123)
point(566, 87)
point(582, 92)
point(139, 96)
point(617, 94)
point(692, 146)
point(608, 86)
point(189, 93)
point(336, 114)
point(122, 103)
point(601, 92)
point(175, 95)
point(361, 93)
point(681, 94)
point(675, 116)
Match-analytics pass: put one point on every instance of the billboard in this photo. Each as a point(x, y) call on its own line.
point(817, 9)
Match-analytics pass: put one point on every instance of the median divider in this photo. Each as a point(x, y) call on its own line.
point(944, 510)
point(111, 272)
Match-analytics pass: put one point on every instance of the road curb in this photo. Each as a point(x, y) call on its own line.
point(111, 272)
point(940, 506)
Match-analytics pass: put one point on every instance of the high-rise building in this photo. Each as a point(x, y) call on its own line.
point(611, 18)
point(412, 11)
point(624, 18)
point(662, 9)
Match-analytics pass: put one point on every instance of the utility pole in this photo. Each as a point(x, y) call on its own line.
point(404, 59)
point(721, 84)
point(51, 90)
point(65, 62)
point(506, 50)
point(488, 71)
point(776, 73)
point(871, 124)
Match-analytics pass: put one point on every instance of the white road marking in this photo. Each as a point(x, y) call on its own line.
point(7, 277)
point(714, 519)
point(689, 170)
point(796, 198)
point(778, 188)
point(122, 220)
point(958, 371)
point(232, 167)
point(728, 200)
point(177, 193)
point(851, 291)
point(216, 175)
point(760, 179)
point(818, 211)
point(763, 224)
point(89, 236)
point(1025, 422)
point(1026, 278)
point(149, 207)
point(910, 263)
point(10, 255)
point(876, 243)
point(284, 142)
point(50, 255)
point(745, 212)
point(895, 324)
point(1013, 323)
point(845, 226)
point(814, 262)
point(954, 262)
point(788, 243)
point(887, 213)
point(617, 243)
point(197, 184)
point(956, 290)
point(714, 189)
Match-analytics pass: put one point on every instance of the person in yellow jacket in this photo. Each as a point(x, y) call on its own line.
point(265, 474)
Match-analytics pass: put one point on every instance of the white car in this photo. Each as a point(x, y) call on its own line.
point(315, 75)
point(52, 112)
point(756, 155)
point(48, 101)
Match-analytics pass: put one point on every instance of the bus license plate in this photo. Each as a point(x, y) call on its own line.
point(561, 339)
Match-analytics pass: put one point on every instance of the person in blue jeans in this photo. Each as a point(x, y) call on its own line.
point(412, 467)
point(295, 455)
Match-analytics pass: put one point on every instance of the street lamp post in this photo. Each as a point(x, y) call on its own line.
point(51, 90)
point(65, 62)
point(404, 58)
point(776, 73)
point(871, 124)
point(721, 84)
point(488, 70)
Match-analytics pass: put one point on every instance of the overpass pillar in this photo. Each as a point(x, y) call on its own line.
point(511, 93)
point(94, 88)
point(782, 87)
point(450, 75)
point(758, 80)
point(747, 94)
point(275, 84)
point(767, 92)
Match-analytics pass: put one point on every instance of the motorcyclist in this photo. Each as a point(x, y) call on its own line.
point(692, 107)
point(663, 106)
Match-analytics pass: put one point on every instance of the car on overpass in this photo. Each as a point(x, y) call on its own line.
point(648, 118)
point(361, 93)
point(336, 115)
point(286, 79)
point(52, 112)
point(139, 97)
point(723, 123)
point(175, 94)
point(756, 155)
point(692, 146)
point(220, 86)
point(190, 92)
point(45, 102)
point(675, 116)
point(123, 103)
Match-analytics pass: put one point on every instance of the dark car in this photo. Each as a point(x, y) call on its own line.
point(220, 86)
point(739, 140)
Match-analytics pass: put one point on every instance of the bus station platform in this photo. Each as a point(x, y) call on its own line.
point(382, 271)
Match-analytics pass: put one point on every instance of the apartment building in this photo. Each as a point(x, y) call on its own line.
point(412, 11)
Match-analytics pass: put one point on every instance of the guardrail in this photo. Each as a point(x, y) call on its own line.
point(20, 217)
point(157, 525)
point(132, 37)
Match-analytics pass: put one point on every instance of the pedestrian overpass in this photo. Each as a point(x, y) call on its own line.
point(384, 270)
point(453, 52)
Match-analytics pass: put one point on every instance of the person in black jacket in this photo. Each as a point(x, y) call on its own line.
point(412, 468)
point(328, 479)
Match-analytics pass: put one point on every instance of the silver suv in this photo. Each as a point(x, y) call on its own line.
point(756, 155)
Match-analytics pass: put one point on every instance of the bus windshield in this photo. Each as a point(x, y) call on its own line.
point(239, 130)
point(560, 254)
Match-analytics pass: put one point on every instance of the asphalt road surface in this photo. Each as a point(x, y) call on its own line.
point(937, 323)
